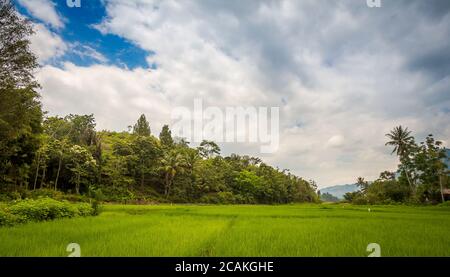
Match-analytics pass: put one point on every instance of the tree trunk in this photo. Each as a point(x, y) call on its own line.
point(57, 173)
point(409, 181)
point(442, 189)
point(77, 186)
point(167, 184)
point(44, 170)
point(168, 189)
point(142, 175)
point(37, 171)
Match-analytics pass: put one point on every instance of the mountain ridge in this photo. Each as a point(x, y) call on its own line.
point(339, 190)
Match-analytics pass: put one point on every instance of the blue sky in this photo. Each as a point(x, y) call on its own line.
point(79, 30)
point(342, 74)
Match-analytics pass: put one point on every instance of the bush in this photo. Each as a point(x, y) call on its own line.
point(222, 197)
point(50, 193)
point(445, 204)
point(43, 209)
point(360, 200)
point(96, 208)
point(7, 219)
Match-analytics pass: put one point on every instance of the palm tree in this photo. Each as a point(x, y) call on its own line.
point(171, 164)
point(362, 184)
point(402, 141)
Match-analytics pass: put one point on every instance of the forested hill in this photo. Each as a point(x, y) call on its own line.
point(72, 157)
point(339, 190)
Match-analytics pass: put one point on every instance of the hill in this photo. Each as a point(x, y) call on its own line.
point(339, 190)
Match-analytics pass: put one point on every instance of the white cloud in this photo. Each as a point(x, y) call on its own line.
point(46, 44)
point(336, 141)
point(117, 96)
point(342, 74)
point(86, 51)
point(43, 10)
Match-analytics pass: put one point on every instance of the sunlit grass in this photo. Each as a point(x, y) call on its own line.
point(189, 230)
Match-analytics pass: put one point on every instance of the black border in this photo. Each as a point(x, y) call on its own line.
point(286, 266)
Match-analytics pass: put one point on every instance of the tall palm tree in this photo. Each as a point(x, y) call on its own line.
point(362, 184)
point(402, 141)
point(171, 164)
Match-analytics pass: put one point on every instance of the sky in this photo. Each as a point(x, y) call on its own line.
point(342, 74)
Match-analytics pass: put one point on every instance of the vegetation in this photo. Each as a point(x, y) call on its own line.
point(41, 210)
point(20, 109)
point(47, 163)
point(287, 230)
point(74, 158)
point(67, 153)
point(421, 178)
point(327, 197)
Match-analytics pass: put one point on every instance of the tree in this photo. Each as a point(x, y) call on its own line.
point(431, 167)
point(142, 127)
point(59, 131)
point(250, 185)
point(172, 163)
point(20, 109)
point(166, 137)
point(362, 184)
point(403, 142)
point(42, 159)
point(208, 149)
point(58, 151)
point(17, 63)
point(57, 127)
point(442, 169)
point(81, 165)
point(387, 176)
point(191, 156)
point(82, 129)
point(146, 150)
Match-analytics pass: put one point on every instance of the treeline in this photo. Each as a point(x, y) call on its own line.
point(422, 175)
point(69, 155)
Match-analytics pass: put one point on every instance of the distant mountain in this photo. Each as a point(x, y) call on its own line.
point(339, 190)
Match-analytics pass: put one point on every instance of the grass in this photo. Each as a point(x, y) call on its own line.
point(188, 230)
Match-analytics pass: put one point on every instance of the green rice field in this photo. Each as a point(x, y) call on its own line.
point(190, 230)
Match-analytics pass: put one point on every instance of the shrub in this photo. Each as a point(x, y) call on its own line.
point(445, 204)
point(50, 193)
point(96, 208)
point(7, 219)
point(43, 209)
point(209, 199)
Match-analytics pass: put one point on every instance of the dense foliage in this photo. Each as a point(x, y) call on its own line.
point(20, 109)
point(131, 167)
point(42, 209)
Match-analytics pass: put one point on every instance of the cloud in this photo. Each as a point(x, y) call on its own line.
point(47, 45)
point(86, 51)
point(342, 74)
point(336, 141)
point(44, 10)
point(117, 96)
